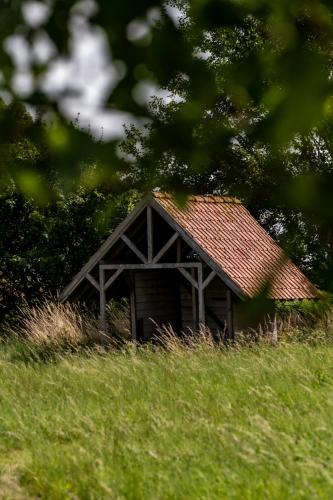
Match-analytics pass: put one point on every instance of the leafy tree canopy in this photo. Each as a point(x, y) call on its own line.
point(43, 245)
point(282, 70)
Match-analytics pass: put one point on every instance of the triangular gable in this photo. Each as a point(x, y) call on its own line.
point(103, 249)
point(120, 231)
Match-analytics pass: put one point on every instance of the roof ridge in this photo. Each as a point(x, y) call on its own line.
point(205, 198)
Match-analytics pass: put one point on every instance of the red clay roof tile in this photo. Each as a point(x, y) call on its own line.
point(229, 234)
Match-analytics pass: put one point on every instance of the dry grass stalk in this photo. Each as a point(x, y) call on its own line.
point(188, 340)
point(119, 319)
point(53, 324)
point(57, 324)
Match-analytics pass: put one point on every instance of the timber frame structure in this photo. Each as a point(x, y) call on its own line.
point(169, 273)
point(198, 273)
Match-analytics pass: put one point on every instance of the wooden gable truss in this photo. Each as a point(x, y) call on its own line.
point(198, 269)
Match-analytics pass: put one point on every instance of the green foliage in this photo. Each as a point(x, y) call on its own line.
point(308, 310)
point(44, 246)
point(287, 187)
point(252, 423)
point(45, 241)
point(272, 58)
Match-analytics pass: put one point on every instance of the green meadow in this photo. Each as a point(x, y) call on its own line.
point(248, 423)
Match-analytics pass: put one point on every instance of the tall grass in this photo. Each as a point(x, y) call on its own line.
point(241, 423)
point(182, 418)
point(55, 326)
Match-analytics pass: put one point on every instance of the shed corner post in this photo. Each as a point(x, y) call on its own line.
point(194, 303)
point(133, 306)
point(230, 318)
point(201, 298)
point(102, 306)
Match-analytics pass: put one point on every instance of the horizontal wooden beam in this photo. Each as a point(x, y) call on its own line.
point(166, 247)
point(112, 278)
point(188, 277)
point(134, 248)
point(208, 279)
point(92, 281)
point(166, 265)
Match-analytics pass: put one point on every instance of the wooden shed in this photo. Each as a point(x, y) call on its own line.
point(187, 266)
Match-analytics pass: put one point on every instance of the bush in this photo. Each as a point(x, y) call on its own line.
point(306, 310)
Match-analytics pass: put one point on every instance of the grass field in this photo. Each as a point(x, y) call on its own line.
point(253, 423)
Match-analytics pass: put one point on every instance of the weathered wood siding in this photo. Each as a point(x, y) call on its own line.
point(186, 307)
point(162, 296)
point(157, 297)
point(216, 301)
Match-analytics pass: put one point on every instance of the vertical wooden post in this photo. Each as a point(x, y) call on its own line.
point(150, 234)
point(194, 304)
point(102, 312)
point(133, 306)
point(230, 322)
point(201, 299)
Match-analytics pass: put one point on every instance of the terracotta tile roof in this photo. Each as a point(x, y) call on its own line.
point(231, 236)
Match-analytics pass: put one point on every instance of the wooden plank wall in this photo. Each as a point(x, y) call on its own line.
point(216, 300)
point(186, 307)
point(157, 297)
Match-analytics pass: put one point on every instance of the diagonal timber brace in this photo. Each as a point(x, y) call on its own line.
point(134, 248)
point(165, 248)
